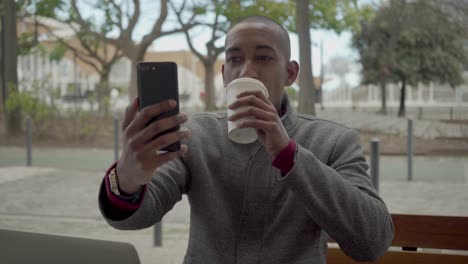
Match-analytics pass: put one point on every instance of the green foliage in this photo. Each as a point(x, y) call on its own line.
point(27, 41)
point(412, 42)
point(280, 11)
point(24, 43)
point(87, 39)
point(292, 93)
point(48, 8)
point(336, 15)
point(58, 52)
point(44, 8)
point(111, 15)
point(199, 10)
point(30, 104)
point(50, 121)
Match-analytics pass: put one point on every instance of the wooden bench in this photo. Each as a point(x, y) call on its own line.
point(413, 232)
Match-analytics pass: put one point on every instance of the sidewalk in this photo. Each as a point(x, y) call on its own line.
point(428, 129)
point(64, 201)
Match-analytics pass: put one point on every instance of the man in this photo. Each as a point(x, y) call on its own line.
point(271, 201)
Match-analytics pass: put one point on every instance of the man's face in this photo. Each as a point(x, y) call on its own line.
point(256, 50)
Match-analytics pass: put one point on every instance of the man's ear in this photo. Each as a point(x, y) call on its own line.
point(293, 71)
point(224, 79)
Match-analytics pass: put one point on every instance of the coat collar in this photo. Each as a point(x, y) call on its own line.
point(289, 117)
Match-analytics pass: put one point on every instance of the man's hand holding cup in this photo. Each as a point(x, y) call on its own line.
point(250, 110)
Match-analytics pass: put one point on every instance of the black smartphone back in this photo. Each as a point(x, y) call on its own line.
point(157, 82)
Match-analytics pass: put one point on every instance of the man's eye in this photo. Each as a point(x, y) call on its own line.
point(233, 59)
point(264, 58)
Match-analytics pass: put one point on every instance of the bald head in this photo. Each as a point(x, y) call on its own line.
point(282, 33)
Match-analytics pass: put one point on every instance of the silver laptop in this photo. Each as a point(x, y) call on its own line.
point(25, 247)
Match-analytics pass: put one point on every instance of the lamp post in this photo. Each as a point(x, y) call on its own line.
point(322, 70)
point(2, 54)
point(319, 98)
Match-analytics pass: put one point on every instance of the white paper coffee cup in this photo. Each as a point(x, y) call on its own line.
point(235, 87)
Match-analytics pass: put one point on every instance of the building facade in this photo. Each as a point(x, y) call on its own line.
point(71, 82)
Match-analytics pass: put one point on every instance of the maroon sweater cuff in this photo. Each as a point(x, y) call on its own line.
point(118, 202)
point(284, 161)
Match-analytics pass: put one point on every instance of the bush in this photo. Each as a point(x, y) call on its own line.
point(51, 123)
point(41, 113)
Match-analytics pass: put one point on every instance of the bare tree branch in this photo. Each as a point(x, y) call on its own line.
point(119, 14)
point(84, 26)
point(219, 50)
point(117, 53)
point(157, 27)
point(73, 49)
point(187, 35)
point(86, 60)
point(128, 14)
point(91, 52)
point(79, 18)
point(215, 26)
point(30, 44)
point(127, 34)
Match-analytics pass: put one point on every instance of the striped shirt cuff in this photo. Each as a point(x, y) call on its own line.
point(123, 202)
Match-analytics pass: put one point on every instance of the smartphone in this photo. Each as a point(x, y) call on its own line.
point(157, 82)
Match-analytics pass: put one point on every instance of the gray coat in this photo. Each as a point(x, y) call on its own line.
point(244, 211)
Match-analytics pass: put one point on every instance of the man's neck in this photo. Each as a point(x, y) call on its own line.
point(282, 109)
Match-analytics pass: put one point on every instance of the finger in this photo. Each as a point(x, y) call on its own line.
point(255, 112)
point(146, 114)
point(167, 139)
point(146, 157)
point(258, 94)
point(159, 126)
point(130, 112)
point(168, 156)
point(258, 124)
point(249, 99)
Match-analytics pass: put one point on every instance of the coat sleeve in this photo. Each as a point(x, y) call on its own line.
point(166, 188)
point(340, 198)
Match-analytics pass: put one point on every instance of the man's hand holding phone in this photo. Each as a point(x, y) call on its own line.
point(141, 143)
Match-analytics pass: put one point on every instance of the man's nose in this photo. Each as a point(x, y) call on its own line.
point(249, 70)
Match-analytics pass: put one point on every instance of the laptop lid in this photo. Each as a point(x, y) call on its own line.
point(25, 247)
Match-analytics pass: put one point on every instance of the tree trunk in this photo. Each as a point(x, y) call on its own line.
point(132, 86)
point(2, 63)
point(401, 110)
point(135, 54)
point(103, 93)
point(383, 87)
point(210, 98)
point(306, 84)
point(10, 60)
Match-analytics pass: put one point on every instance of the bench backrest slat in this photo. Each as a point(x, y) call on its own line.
point(420, 231)
point(428, 231)
point(336, 256)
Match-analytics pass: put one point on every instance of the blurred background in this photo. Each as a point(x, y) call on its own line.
point(395, 70)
